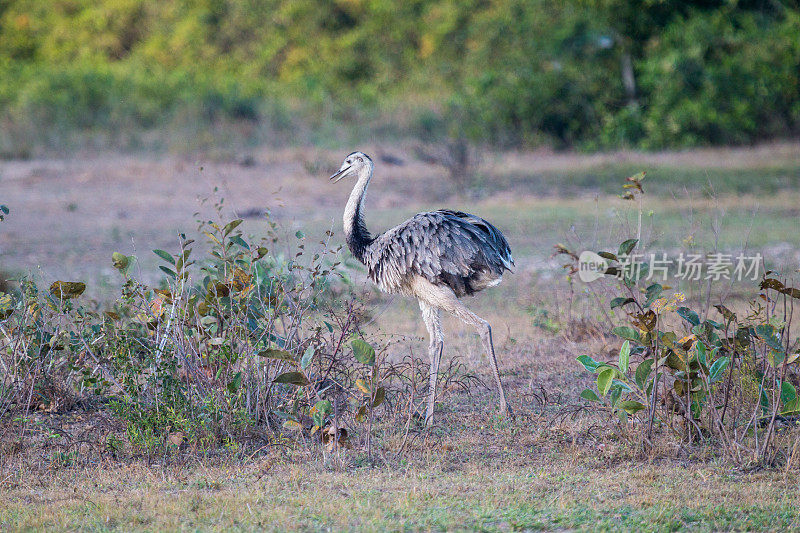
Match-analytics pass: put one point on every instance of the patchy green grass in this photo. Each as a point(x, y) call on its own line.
point(661, 179)
point(534, 225)
point(542, 494)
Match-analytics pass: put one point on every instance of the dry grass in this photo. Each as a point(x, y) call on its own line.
point(542, 491)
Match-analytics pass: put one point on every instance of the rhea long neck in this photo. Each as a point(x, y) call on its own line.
point(355, 230)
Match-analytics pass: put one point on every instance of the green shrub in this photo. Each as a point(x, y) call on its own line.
point(725, 382)
point(224, 349)
point(604, 73)
point(539, 73)
point(722, 78)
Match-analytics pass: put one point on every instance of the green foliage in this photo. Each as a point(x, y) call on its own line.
point(552, 87)
point(224, 346)
point(516, 72)
point(726, 382)
point(678, 365)
point(723, 77)
point(363, 352)
point(689, 368)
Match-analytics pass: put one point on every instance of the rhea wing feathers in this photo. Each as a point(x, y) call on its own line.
point(458, 249)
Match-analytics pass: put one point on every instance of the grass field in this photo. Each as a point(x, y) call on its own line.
point(552, 467)
point(535, 494)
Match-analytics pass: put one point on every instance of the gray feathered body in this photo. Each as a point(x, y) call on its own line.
point(437, 257)
point(462, 251)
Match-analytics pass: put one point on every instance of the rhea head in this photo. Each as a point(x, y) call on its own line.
point(352, 166)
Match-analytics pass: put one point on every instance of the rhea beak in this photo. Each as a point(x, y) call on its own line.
point(340, 174)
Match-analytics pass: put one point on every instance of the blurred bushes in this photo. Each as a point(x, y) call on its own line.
point(540, 73)
point(584, 73)
point(85, 95)
point(722, 77)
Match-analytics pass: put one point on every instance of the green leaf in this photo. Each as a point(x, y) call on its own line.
point(235, 383)
point(168, 271)
point(292, 425)
point(320, 412)
point(702, 354)
point(624, 356)
point(275, 353)
point(614, 394)
point(588, 363)
point(230, 226)
point(604, 380)
point(652, 293)
point(292, 378)
point(775, 357)
point(621, 384)
point(236, 239)
point(716, 370)
point(788, 392)
point(621, 301)
point(363, 352)
point(380, 396)
point(300, 235)
point(627, 247)
point(165, 256)
point(643, 371)
point(697, 406)
point(630, 406)
point(765, 330)
point(726, 313)
point(65, 290)
point(280, 341)
point(589, 394)
point(119, 261)
point(767, 333)
point(642, 272)
point(689, 316)
point(6, 305)
point(763, 401)
point(307, 356)
point(791, 407)
point(627, 332)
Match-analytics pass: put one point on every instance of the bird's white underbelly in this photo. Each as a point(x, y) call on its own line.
point(495, 282)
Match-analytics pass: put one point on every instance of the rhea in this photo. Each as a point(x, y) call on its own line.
point(436, 257)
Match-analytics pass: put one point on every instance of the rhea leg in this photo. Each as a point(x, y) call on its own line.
point(485, 331)
point(439, 297)
point(504, 407)
point(431, 317)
